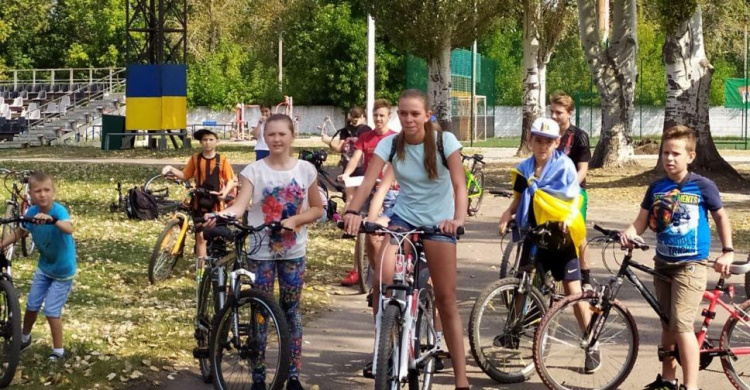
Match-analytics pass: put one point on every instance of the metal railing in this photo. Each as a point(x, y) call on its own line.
point(59, 76)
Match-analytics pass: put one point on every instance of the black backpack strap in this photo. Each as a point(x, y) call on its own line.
point(441, 149)
point(393, 149)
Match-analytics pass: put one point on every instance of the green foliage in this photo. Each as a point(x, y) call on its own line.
point(504, 47)
point(672, 13)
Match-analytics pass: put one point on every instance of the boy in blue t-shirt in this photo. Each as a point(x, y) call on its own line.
point(53, 278)
point(676, 207)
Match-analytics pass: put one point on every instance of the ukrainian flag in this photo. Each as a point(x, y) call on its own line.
point(156, 97)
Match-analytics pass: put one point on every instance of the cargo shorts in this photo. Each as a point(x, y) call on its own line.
point(680, 298)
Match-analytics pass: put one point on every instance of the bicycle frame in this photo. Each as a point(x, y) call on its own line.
point(471, 181)
point(182, 216)
point(405, 290)
point(712, 296)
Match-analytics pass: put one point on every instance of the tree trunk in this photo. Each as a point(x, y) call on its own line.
point(532, 78)
point(439, 85)
point(614, 70)
point(689, 77)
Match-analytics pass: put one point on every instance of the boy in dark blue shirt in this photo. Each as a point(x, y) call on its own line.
point(676, 207)
point(53, 278)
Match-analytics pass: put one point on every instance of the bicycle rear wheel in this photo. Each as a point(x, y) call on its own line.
point(260, 351)
point(511, 257)
point(424, 340)
point(162, 258)
point(501, 330)
point(386, 361)
point(10, 332)
point(735, 337)
point(560, 349)
point(360, 257)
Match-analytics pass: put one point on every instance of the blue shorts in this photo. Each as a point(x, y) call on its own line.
point(397, 222)
point(53, 293)
point(389, 203)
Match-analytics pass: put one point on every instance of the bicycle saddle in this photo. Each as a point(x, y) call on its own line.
point(478, 157)
point(740, 268)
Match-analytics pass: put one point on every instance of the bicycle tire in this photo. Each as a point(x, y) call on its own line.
point(747, 285)
point(476, 202)
point(162, 260)
point(552, 328)
point(728, 363)
point(204, 315)
point(8, 229)
point(423, 339)
point(360, 257)
point(386, 362)
point(221, 340)
point(10, 338)
point(511, 253)
point(483, 335)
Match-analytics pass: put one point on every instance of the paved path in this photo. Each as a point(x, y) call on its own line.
point(338, 343)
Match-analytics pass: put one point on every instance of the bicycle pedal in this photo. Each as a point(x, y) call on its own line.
point(442, 354)
point(200, 353)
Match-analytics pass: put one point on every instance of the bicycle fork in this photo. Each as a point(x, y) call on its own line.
point(235, 284)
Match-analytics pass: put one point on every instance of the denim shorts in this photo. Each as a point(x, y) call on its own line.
point(389, 203)
point(53, 293)
point(397, 221)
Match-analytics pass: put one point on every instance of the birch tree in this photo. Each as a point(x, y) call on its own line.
point(430, 29)
point(544, 23)
point(612, 62)
point(689, 75)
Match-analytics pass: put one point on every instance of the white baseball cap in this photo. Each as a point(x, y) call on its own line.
point(546, 128)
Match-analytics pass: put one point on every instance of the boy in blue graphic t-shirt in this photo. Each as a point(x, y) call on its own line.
point(676, 208)
point(53, 278)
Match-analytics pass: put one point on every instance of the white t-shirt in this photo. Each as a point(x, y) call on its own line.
point(261, 144)
point(421, 201)
point(278, 195)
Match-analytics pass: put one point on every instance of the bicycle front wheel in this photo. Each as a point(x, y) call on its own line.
point(735, 337)
point(386, 361)
point(476, 192)
point(162, 258)
point(501, 330)
point(257, 349)
point(360, 257)
point(9, 230)
point(204, 317)
point(10, 332)
point(424, 340)
point(511, 257)
point(561, 349)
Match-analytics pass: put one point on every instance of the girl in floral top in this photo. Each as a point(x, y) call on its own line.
point(276, 187)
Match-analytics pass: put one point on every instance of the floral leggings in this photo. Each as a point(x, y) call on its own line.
point(291, 279)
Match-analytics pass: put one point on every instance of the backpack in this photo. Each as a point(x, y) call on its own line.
point(440, 148)
point(141, 205)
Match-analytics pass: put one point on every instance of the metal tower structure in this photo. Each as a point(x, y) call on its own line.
point(156, 31)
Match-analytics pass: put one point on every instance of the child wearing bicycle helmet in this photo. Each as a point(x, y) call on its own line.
point(280, 188)
point(676, 208)
point(53, 278)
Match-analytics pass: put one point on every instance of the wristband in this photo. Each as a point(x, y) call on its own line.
point(727, 250)
point(351, 212)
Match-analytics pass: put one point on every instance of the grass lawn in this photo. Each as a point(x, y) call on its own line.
point(118, 328)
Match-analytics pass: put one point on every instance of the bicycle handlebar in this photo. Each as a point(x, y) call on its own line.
point(615, 235)
point(374, 228)
point(22, 219)
point(231, 220)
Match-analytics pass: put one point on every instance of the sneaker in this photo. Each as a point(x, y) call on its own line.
point(369, 299)
point(54, 358)
point(293, 384)
point(367, 371)
point(26, 345)
point(351, 279)
point(660, 384)
point(258, 386)
point(593, 361)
